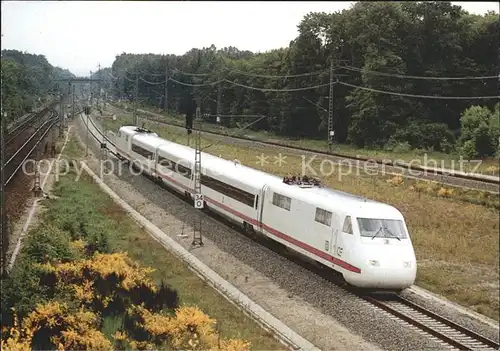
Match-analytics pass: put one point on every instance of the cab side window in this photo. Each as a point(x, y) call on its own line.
point(347, 225)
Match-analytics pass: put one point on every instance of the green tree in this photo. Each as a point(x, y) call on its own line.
point(478, 131)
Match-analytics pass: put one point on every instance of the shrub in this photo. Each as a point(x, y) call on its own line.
point(53, 325)
point(480, 131)
point(109, 282)
point(429, 136)
point(189, 329)
point(402, 147)
point(48, 242)
point(468, 149)
point(16, 340)
point(77, 214)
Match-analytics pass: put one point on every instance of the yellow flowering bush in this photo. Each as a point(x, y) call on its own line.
point(234, 345)
point(52, 325)
point(189, 329)
point(18, 339)
point(110, 281)
point(78, 246)
point(113, 283)
point(104, 266)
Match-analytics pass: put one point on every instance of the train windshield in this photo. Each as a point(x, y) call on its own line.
point(382, 228)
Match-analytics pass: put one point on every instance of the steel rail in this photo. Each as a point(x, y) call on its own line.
point(27, 141)
point(406, 317)
point(24, 123)
point(54, 121)
point(432, 323)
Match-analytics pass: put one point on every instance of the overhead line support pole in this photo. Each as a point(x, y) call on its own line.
point(199, 201)
point(166, 87)
point(91, 92)
point(135, 98)
point(219, 98)
point(73, 105)
point(61, 112)
point(330, 110)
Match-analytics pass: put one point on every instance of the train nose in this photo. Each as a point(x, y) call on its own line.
point(385, 274)
point(391, 274)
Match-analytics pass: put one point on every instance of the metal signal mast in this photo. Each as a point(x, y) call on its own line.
point(198, 196)
point(331, 132)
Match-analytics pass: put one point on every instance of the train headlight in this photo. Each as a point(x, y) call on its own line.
point(407, 264)
point(373, 263)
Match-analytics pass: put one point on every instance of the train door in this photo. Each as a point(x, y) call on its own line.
point(335, 233)
point(262, 196)
point(336, 218)
point(345, 240)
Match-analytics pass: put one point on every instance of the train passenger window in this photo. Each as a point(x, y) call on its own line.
point(282, 201)
point(228, 190)
point(323, 216)
point(176, 167)
point(347, 225)
point(142, 151)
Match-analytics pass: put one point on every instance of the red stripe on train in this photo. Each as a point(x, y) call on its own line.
point(272, 231)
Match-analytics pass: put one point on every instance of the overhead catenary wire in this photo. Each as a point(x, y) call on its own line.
point(195, 85)
point(192, 74)
point(403, 76)
point(419, 96)
point(350, 68)
point(277, 90)
point(325, 84)
point(153, 83)
point(308, 74)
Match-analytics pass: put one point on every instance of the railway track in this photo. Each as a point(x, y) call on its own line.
point(447, 332)
point(16, 160)
point(15, 130)
point(445, 176)
point(431, 324)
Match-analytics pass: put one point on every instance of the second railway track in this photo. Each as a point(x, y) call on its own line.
point(445, 176)
point(16, 160)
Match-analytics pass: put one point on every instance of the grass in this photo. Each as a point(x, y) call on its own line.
point(140, 246)
point(457, 242)
point(419, 157)
point(82, 203)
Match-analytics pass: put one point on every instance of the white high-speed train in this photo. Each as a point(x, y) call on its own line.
point(365, 241)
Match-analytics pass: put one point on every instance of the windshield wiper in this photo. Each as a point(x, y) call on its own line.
point(391, 233)
point(378, 231)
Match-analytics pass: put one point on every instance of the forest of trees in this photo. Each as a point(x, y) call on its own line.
point(27, 82)
point(372, 45)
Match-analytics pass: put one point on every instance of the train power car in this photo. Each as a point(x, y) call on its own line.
point(367, 242)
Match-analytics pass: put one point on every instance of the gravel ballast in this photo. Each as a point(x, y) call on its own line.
point(315, 308)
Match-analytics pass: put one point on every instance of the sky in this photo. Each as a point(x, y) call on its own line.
point(79, 35)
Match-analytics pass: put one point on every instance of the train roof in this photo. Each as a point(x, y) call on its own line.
point(217, 166)
point(331, 198)
point(321, 196)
